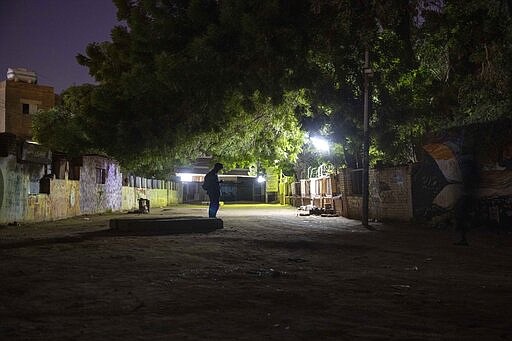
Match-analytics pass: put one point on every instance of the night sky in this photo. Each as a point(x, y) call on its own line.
point(46, 35)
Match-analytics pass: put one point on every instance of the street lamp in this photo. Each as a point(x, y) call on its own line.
point(185, 177)
point(367, 73)
point(320, 144)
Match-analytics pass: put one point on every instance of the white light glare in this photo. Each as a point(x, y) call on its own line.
point(320, 144)
point(185, 177)
point(260, 179)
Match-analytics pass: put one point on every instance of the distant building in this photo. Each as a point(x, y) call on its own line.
point(21, 97)
point(237, 184)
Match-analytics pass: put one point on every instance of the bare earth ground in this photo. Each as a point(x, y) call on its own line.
point(268, 275)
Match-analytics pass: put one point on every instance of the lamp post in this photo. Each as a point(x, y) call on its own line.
point(367, 73)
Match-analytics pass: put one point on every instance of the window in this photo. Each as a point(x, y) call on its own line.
point(29, 106)
point(33, 187)
point(25, 108)
point(357, 181)
point(101, 175)
point(74, 172)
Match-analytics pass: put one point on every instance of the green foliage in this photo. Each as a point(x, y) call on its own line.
point(244, 80)
point(65, 127)
point(457, 76)
point(188, 78)
point(471, 81)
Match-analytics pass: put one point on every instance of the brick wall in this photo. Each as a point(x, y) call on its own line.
point(390, 194)
point(15, 93)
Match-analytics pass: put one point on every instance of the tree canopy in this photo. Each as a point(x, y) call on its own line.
point(244, 81)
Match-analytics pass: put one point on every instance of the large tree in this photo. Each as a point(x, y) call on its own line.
point(243, 80)
point(185, 78)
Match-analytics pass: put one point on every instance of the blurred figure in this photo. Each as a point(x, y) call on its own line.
point(465, 208)
point(211, 185)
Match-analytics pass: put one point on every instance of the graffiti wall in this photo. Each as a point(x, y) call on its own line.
point(20, 198)
point(100, 185)
point(31, 192)
point(16, 187)
point(458, 165)
point(390, 196)
point(436, 181)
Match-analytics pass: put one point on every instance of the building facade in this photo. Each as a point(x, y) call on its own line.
point(237, 184)
point(18, 101)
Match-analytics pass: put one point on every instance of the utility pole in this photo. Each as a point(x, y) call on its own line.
point(367, 73)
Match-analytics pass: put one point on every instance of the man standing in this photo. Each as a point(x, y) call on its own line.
point(212, 186)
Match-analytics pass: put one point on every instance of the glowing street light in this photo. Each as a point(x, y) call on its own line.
point(185, 177)
point(320, 144)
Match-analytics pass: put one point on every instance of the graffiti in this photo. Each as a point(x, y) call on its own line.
point(430, 182)
point(385, 194)
point(383, 186)
point(427, 183)
point(448, 196)
point(398, 178)
point(381, 192)
point(389, 197)
point(450, 171)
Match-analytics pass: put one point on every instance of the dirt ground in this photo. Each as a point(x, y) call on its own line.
point(268, 275)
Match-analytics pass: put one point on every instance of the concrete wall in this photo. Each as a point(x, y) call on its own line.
point(62, 202)
point(129, 198)
point(97, 197)
point(15, 187)
point(19, 201)
point(158, 197)
point(64, 199)
point(13, 95)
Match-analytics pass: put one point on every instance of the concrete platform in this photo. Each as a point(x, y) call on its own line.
point(174, 225)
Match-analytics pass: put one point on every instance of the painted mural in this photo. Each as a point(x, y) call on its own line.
point(450, 169)
point(32, 189)
point(17, 189)
point(427, 182)
point(100, 185)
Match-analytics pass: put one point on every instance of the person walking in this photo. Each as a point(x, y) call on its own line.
point(212, 186)
point(466, 215)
